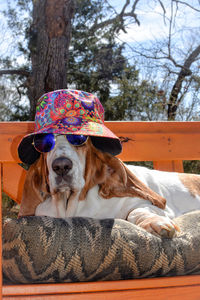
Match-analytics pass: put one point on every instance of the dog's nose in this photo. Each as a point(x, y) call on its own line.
point(61, 165)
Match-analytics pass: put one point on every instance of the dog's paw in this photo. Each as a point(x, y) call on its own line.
point(159, 226)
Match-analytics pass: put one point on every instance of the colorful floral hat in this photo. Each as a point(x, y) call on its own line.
point(70, 112)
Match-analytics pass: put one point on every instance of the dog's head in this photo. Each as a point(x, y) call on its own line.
point(72, 171)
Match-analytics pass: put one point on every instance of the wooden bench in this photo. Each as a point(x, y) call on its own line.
point(167, 144)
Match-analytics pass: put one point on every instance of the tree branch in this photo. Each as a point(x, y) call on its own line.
point(119, 18)
point(191, 58)
point(184, 72)
point(185, 3)
point(163, 8)
point(22, 72)
point(124, 7)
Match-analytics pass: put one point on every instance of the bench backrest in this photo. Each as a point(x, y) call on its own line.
point(167, 144)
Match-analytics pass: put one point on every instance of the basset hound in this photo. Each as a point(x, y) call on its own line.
point(82, 181)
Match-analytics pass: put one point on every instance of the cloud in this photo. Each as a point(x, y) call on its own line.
point(142, 33)
point(151, 27)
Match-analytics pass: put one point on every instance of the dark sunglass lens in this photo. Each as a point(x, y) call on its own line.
point(76, 140)
point(44, 142)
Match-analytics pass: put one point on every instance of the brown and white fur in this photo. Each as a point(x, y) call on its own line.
point(82, 181)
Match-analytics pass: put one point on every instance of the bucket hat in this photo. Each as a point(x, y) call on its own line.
point(69, 112)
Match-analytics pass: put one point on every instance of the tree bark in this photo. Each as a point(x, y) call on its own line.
point(50, 35)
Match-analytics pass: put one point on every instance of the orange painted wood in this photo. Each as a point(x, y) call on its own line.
point(166, 140)
point(169, 165)
point(11, 134)
point(0, 233)
point(144, 288)
point(147, 140)
point(82, 287)
point(179, 293)
point(13, 180)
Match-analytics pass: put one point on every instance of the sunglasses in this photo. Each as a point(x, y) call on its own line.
point(46, 142)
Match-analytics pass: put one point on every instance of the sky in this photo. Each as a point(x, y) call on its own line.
point(149, 12)
point(151, 19)
point(152, 27)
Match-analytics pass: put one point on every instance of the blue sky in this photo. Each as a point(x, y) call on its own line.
point(149, 14)
point(152, 24)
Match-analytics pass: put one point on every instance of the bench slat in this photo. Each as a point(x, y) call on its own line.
point(147, 141)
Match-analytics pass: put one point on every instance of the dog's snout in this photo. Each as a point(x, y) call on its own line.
point(62, 165)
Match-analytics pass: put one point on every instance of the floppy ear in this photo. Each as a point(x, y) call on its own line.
point(139, 189)
point(36, 187)
point(115, 179)
point(96, 170)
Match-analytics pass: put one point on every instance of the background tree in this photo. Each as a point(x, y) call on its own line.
point(175, 58)
point(138, 100)
point(49, 39)
point(48, 33)
point(98, 61)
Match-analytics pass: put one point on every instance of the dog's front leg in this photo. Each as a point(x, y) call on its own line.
point(158, 225)
point(59, 205)
point(52, 207)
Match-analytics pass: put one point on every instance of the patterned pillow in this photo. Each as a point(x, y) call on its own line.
point(44, 249)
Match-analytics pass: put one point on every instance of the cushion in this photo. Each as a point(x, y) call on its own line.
point(44, 249)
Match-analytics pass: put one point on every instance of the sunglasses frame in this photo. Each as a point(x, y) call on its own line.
point(55, 136)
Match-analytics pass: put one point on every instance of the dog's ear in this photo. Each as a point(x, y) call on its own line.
point(95, 169)
point(115, 179)
point(36, 187)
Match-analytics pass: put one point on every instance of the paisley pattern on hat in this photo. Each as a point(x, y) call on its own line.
point(67, 108)
point(88, 105)
point(71, 111)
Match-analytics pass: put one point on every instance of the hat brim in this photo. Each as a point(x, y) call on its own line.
point(102, 138)
point(26, 151)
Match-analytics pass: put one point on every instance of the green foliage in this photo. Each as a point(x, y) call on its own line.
point(95, 58)
point(98, 64)
point(9, 207)
point(14, 104)
point(13, 101)
point(95, 70)
point(191, 166)
point(136, 99)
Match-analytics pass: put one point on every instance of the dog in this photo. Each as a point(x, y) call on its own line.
point(82, 181)
point(75, 172)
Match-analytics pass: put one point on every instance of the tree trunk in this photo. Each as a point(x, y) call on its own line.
point(50, 35)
